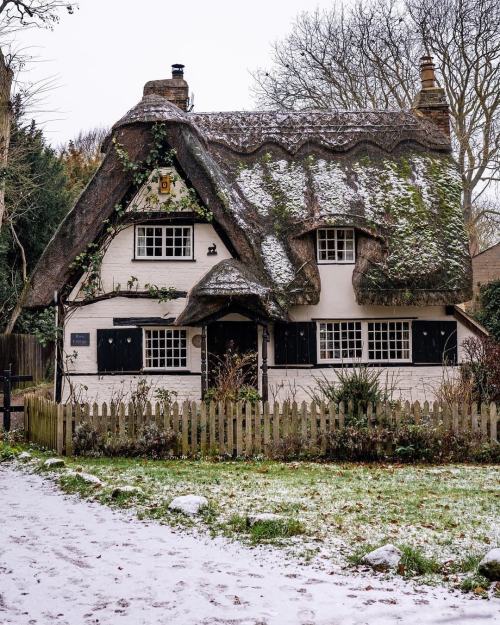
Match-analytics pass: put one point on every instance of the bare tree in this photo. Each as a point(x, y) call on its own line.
point(15, 14)
point(367, 57)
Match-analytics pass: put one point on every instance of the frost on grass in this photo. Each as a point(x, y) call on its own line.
point(446, 514)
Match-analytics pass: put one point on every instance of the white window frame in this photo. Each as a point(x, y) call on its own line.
point(163, 255)
point(341, 359)
point(336, 261)
point(145, 348)
point(364, 338)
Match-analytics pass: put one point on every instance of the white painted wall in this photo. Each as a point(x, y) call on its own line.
point(337, 302)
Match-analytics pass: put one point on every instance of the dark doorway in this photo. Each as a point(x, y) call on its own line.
point(236, 336)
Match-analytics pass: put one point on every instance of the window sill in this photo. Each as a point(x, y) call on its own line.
point(164, 260)
point(336, 262)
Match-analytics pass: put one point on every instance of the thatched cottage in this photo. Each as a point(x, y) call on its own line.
point(317, 239)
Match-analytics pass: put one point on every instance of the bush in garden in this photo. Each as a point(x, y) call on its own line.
point(489, 308)
point(152, 442)
point(360, 385)
point(234, 378)
point(291, 447)
point(482, 367)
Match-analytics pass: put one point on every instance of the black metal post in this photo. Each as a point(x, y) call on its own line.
point(6, 399)
point(204, 380)
point(265, 381)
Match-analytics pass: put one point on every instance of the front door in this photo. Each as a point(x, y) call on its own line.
point(231, 337)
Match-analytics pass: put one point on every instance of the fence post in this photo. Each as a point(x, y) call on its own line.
point(493, 423)
point(59, 412)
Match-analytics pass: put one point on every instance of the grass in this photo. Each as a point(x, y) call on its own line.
point(443, 518)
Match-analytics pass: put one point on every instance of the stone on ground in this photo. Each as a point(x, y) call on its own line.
point(188, 504)
point(125, 490)
point(490, 565)
point(88, 478)
point(252, 519)
point(53, 463)
point(24, 456)
point(386, 557)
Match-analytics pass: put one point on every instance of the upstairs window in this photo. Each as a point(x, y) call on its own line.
point(335, 245)
point(164, 242)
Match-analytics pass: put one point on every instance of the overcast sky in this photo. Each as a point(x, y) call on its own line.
point(103, 54)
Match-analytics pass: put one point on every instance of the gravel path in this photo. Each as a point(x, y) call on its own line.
point(70, 562)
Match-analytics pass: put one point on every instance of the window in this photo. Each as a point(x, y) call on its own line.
point(165, 349)
point(164, 242)
point(340, 340)
point(388, 340)
point(335, 245)
point(364, 341)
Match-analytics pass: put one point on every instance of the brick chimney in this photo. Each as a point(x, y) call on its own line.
point(430, 102)
point(175, 89)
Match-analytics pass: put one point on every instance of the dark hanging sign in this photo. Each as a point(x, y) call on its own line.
point(80, 339)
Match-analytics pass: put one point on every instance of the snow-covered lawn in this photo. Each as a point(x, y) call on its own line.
point(73, 562)
point(447, 517)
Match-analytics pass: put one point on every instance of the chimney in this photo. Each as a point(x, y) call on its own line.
point(175, 89)
point(430, 102)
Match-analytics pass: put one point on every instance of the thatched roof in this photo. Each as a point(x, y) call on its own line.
point(271, 178)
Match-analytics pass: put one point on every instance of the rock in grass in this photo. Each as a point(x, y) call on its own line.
point(490, 565)
point(263, 517)
point(24, 456)
point(386, 557)
point(188, 504)
point(125, 490)
point(88, 478)
point(53, 463)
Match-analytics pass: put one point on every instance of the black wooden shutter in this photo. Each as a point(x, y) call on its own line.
point(295, 343)
point(119, 350)
point(434, 342)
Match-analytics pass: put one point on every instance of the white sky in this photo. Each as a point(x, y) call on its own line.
point(103, 54)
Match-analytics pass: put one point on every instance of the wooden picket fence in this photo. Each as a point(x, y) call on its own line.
point(237, 429)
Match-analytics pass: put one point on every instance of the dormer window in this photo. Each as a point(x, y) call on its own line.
point(164, 242)
point(335, 245)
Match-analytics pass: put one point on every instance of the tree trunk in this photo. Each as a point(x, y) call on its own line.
point(6, 76)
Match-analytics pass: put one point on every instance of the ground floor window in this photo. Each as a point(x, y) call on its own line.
point(165, 349)
point(340, 340)
point(364, 341)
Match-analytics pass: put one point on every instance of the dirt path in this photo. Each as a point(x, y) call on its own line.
point(65, 561)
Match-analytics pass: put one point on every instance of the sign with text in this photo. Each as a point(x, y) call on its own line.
point(80, 339)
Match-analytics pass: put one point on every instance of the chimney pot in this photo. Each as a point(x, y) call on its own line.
point(427, 73)
point(177, 70)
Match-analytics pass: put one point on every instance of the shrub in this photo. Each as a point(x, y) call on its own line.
point(409, 443)
point(489, 311)
point(86, 440)
point(482, 367)
point(291, 447)
point(152, 442)
point(360, 385)
point(235, 379)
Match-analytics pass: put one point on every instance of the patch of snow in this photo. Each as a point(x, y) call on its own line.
point(53, 463)
point(125, 490)
point(276, 261)
point(93, 564)
point(385, 557)
point(490, 565)
point(188, 504)
point(24, 456)
point(86, 477)
point(263, 517)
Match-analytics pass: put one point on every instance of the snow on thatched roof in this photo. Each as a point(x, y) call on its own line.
point(270, 178)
